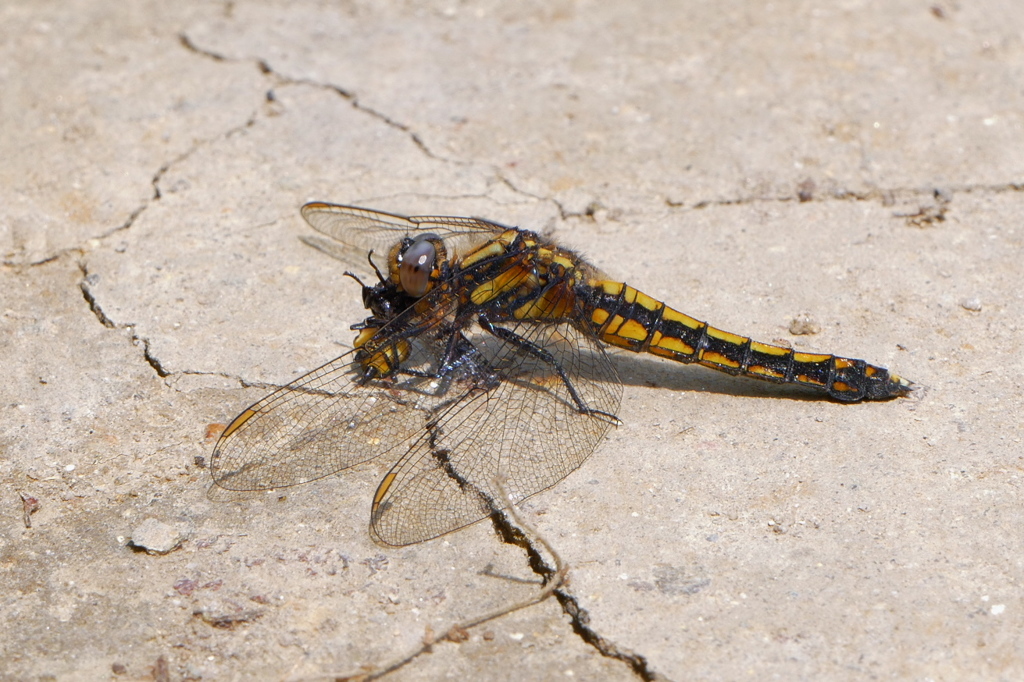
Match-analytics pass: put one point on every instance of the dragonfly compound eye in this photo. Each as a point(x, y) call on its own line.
point(416, 264)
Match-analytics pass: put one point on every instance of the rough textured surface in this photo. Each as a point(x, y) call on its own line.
point(854, 166)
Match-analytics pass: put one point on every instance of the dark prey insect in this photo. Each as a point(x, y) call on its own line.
point(482, 357)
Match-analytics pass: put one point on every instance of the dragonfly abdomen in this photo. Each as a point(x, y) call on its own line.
point(627, 318)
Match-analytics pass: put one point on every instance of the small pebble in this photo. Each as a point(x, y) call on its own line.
point(973, 304)
point(155, 537)
point(804, 325)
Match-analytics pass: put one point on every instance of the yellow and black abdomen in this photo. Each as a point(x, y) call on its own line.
point(630, 319)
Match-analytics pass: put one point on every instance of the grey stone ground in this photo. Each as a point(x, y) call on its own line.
point(154, 157)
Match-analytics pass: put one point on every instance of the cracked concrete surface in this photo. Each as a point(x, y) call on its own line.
point(856, 162)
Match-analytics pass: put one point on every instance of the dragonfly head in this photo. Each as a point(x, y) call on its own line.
point(415, 263)
point(381, 299)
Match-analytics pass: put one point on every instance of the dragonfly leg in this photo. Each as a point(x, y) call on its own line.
point(510, 337)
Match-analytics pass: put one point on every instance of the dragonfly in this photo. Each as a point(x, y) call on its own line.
point(482, 372)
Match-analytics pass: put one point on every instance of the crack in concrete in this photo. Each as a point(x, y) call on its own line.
point(805, 193)
point(579, 617)
point(563, 213)
point(155, 183)
point(241, 381)
point(352, 98)
point(265, 68)
point(187, 43)
point(885, 196)
point(150, 358)
point(90, 298)
point(90, 278)
point(148, 355)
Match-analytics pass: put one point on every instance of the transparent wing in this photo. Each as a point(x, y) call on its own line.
point(526, 428)
point(333, 418)
point(358, 231)
point(321, 424)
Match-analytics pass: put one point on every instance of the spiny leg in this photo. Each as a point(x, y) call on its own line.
point(510, 337)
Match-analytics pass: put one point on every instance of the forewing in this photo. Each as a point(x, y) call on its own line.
point(358, 231)
point(320, 424)
point(333, 418)
point(525, 430)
